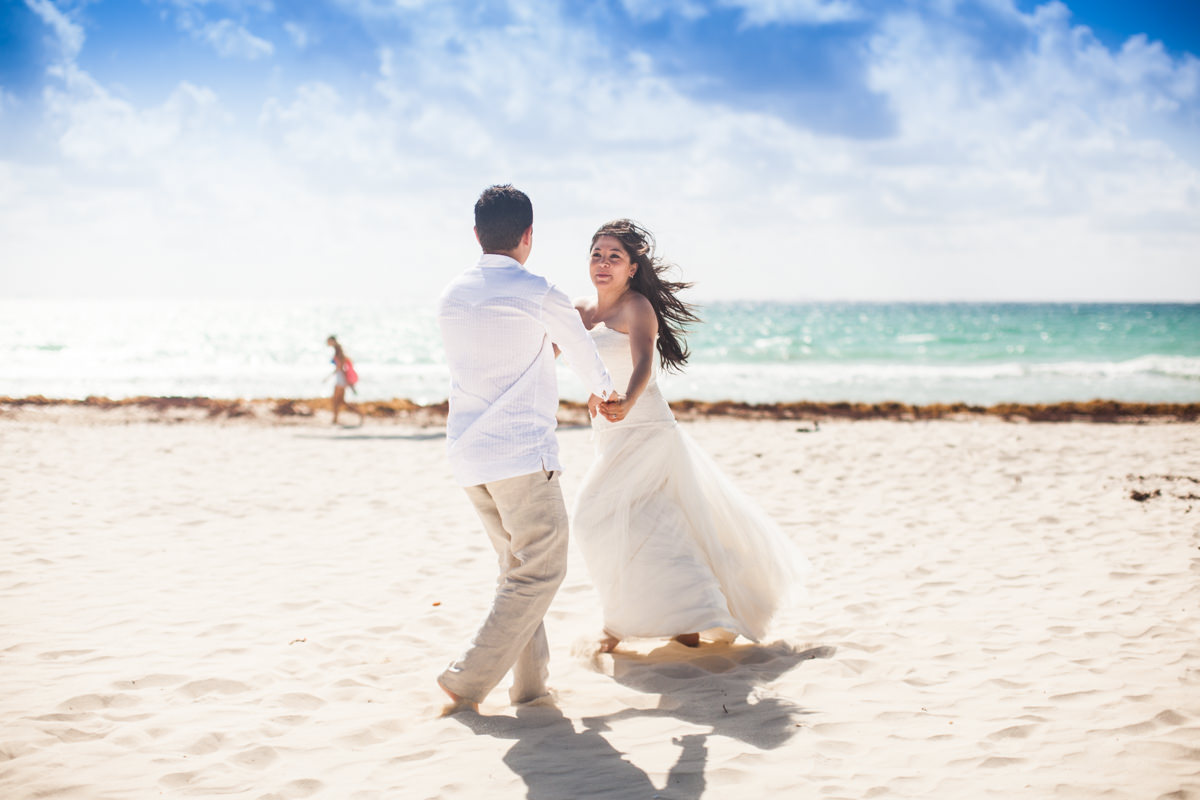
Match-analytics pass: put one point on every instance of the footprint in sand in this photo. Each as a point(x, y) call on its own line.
point(420, 755)
point(209, 743)
point(149, 682)
point(1014, 732)
point(306, 787)
point(1072, 696)
point(198, 689)
point(299, 701)
point(1166, 751)
point(11, 750)
point(362, 739)
point(256, 757)
point(177, 779)
point(54, 655)
point(73, 735)
point(96, 702)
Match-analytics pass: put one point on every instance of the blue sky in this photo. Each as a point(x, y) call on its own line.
point(794, 149)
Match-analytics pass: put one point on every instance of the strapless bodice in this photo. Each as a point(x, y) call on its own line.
point(651, 407)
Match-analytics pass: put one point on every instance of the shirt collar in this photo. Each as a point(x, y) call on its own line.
point(497, 260)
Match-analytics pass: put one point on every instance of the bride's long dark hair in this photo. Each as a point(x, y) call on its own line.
point(673, 314)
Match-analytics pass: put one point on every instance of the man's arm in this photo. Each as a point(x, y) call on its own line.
point(568, 334)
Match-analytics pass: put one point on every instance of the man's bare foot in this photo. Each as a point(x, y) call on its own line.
point(457, 703)
point(609, 643)
point(688, 639)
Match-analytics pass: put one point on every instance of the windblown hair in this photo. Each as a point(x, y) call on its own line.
point(673, 314)
point(502, 215)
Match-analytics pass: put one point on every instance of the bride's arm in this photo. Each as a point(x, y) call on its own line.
point(643, 328)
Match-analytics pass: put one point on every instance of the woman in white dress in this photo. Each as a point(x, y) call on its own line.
point(674, 549)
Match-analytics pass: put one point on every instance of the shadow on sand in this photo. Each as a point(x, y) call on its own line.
point(718, 687)
point(334, 436)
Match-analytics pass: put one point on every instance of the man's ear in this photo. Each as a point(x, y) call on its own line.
point(476, 229)
point(527, 236)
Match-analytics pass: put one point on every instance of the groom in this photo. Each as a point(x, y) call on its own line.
point(500, 324)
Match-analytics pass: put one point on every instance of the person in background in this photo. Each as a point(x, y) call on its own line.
point(343, 375)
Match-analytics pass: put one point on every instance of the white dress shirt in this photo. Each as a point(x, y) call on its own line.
point(498, 321)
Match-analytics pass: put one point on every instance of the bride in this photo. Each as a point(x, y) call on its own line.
point(674, 549)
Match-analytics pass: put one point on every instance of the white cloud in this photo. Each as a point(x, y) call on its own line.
point(375, 9)
point(69, 35)
point(236, 6)
point(1037, 176)
point(1051, 132)
point(101, 130)
point(812, 12)
point(7, 100)
point(754, 12)
point(319, 130)
point(231, 40)
point(645, 10)
point(300, 34)
point(104, 132)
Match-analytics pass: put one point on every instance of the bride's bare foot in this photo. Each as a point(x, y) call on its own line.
point(609, 643)
point(688, 639)
point(457, 703)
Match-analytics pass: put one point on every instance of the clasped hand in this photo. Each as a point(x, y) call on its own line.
point(614, 408)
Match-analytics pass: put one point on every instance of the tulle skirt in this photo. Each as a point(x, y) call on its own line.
point(672, 546)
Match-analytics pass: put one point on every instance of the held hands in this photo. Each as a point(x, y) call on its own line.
point(601, 405)
point(615, 407)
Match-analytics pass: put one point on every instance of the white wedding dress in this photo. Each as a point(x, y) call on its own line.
point(671, 545)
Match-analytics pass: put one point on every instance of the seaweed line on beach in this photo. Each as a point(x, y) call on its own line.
point(573, 413)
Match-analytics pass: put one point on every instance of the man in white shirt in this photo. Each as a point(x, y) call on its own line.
point(499, 325)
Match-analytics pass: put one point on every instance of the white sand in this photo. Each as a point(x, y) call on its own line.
point(251, 610)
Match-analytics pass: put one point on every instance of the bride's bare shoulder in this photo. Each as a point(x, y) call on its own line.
point(637, 314)
point(637, 307)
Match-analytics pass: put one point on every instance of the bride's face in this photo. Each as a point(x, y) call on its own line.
point(610, 265)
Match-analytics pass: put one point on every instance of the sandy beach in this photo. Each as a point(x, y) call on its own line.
point(258, 609)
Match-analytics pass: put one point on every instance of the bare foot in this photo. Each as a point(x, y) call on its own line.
point(609, 643)
point(688, 639)
point(457, 703)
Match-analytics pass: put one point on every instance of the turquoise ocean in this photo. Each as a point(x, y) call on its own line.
point(758, 352)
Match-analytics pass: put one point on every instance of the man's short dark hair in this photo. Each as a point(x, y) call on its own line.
point(502, 215)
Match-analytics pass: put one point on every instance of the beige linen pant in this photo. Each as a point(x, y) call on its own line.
point(526, 520)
